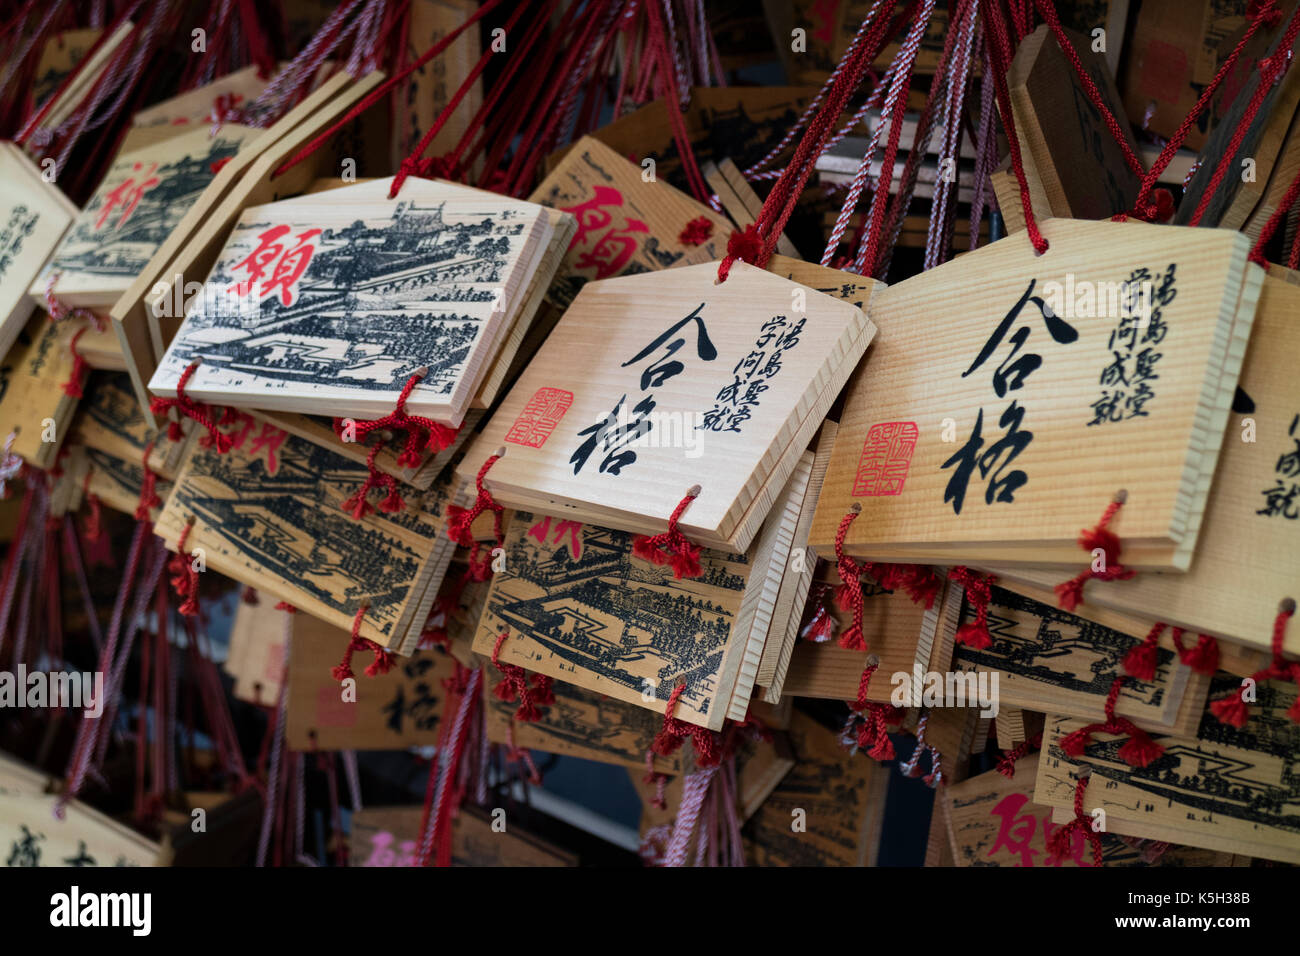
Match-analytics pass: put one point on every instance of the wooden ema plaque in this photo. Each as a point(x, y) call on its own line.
point(898, 631)
point(993, 821)
point(581, 723)
point(1050, 660)
point(993, 421)
point(33, 405)
point(115, 481)
point(426, 92)
point(580, 607)
point(716, 385)
point(797, 579)
point(259, 642)
point(31, 835)
point(1223, 789)
point(294, 318)
point(143, 197)
point(761, 765)
point(392, 711)
point(841, 794)
point(194, 108)
point(268, 513)
point(34, 215)
point(388, 836)
point(59, 57)
point(147, 314)
point(1245, 557)
point(109, 419)
point(1081, 167)
point(626, 225)
point(1237, 193)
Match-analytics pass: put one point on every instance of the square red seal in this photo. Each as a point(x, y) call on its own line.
point(539, 417)
point(886, 456)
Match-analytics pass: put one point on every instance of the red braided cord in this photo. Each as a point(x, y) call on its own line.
point(1000, 56)
point(1271, 70)
point(383, 88)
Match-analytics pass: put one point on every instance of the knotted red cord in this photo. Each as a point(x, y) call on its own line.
point(1099, 537)
point(76, 382)
point(1000, 54)
point(422, 435)
point(460, 520)
point(196, 411)
point(672, 547)
point(1203, 657)
point(1061, 843)
point(708, 750)
point(185, 579)
point(286, 607)
point(849, 594)
point(94, 520)
point(1007, 762)
point(1138, 751)
point(696, 232)
point(357, 503)
point(1233, 709)
point(1270, 228)
point(148, 496)
point(382, 663)
point(514, 685)
point(978, 589)
point(1140, 661)
point(873, 734)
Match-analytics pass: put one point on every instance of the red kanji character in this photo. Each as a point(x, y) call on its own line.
point(289, 264)
point(609, 254)
point(127, 196)
point(1016, 832)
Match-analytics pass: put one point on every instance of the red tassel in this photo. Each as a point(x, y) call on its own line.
point(1140, 661)
point(1231, 710)
point(978, 588)
point(514, 686)
point(1203, 658)
point(672, 547)
point(80, 369)
point(393, 503)
point(745, 245)
point(696, 232)
point(382, 663)
point(1140, 750)
point(460, 520)
point(845, 593)
point(191, 409)
point(923, 585)
point(852, 639)
point(974, 634)
point(821, 628)
point(1070, 593)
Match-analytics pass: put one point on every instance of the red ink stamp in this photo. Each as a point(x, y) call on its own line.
point(539, 417)
point(886, 456)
